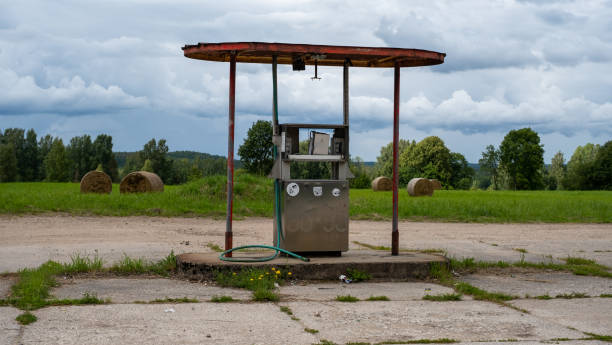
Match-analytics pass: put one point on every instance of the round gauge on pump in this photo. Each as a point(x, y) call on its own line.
point(336, 192)
point(293, 189)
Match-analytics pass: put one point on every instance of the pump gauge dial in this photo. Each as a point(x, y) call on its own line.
point(336, 192)
point(293, 189)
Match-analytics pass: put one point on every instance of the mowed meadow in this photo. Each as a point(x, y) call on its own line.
point(254, 198)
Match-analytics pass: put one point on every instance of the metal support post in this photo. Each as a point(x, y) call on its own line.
point(345, 92)
point(396, 100)
point(230, 156)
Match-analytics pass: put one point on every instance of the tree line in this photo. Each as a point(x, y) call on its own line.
point(25, 158)
point(517, 164)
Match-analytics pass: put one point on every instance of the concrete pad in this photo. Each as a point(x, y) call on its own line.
point(400, 291)
point(384, 321)
point(28, 241)
point(593, 315)
point(9, 328)
point(127, 290)
point(379, 264)
point(201, 323)
point(540, 283)
point(5, 286)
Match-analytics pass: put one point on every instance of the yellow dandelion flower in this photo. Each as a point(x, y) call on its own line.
point(234, 273)
point(251, 278)
point(259, 278)
point(288, 273)
point(278, 272)
point(267, 273)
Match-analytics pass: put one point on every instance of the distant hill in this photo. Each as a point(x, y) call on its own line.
point(121, 157)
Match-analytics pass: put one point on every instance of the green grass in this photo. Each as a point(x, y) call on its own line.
point(31, 291)
point(222, 299)
point(480, 294)
point(347, 298)
point(286, 310)
point(543, 297)
point(265, 295)
point(593, 336)
point(578, 266)
point(259, 281)
point(358, 276)
point(420, 341)
point(606, 295)
point(254, 197)
point(378, 298)
point(26, 318)
point(128, 265)
point(311, 330)
point(173, 300)
point(85, 300)
point(214, 247)
point(572, 295)
point(443, 298)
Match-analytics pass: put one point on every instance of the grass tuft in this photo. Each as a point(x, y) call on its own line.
point(311, 330)
point(544, 297)
point(85, 300)
point(606, 295)
point(572, 295)
point(222, 299)
point(421, 341)
point(482, 295)
point(265, 295)
point(443, 298)
point(286, 310)
point(593, 336)
point(128, 265)
point(347, 298)
point(358, 276)
point(174, 300)
point(26, 318)
point(214, 247)
point(378, 298)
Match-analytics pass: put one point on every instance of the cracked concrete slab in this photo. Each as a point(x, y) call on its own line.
point(593, 315)
point(199, 323)
point(408, 320)
point(9, 328)
point(5, 286)
point(127, 290)
point(540, 283)
point(396, 291)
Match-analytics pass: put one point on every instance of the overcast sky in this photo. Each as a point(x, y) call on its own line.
point(71, 67)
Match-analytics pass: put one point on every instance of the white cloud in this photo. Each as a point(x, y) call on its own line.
point(21, 95)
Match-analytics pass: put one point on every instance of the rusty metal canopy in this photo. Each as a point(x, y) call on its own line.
point(325, 55)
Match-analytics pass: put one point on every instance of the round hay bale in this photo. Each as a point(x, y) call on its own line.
point(420, 187)
point(141, 182)
point(96, 182)
point(435, 184)
point(382, 183)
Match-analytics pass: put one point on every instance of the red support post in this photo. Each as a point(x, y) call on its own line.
point(230, 156)
point(396, 99)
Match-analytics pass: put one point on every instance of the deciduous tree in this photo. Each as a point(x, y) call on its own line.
point(521, 156)
point(256, 152)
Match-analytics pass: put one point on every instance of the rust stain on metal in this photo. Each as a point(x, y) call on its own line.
point(260, 52)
